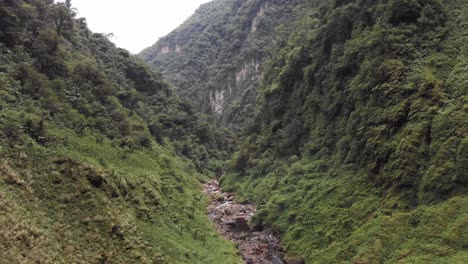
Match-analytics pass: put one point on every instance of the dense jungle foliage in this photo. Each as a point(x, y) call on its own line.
point(354, 118)
point(216, 56)
point(100, 161)
point(359, 149)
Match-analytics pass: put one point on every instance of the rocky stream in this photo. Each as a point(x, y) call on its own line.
point(231, 220)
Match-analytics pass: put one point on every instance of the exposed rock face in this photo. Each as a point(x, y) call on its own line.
point(256, 20)
point(217, 101)
point(216, 56)
point(251, 69)
point(165, 50)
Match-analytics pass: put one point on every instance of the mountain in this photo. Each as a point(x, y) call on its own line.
point(216, 56)
point(100, 161)
point(352, 116)
point(354, 120)
point(359, 149)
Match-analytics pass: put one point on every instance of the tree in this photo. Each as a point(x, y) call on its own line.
point(130, 99)
point(11, 30)
point(48, 53)
point(62, 17)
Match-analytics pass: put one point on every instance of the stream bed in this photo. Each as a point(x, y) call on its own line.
point(231, 220)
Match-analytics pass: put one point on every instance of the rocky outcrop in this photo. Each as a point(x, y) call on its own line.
point(165, 50)
point(217, 101)
point(250, 71)
point(257, 18)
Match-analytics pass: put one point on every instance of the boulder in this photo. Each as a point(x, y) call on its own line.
point(227, 211)
point(242, 225)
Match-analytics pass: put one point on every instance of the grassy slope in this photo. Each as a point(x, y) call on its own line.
point(360, 151)
point(149, 209)
point(99, 161)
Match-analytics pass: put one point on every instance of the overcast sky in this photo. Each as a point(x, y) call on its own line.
point(136, 24)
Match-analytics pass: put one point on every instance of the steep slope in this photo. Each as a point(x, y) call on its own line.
point(99, 161)
point(216, 56)
point(359, 149)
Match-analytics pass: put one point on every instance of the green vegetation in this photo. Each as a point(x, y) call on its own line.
point(215, 57)
point(99, 161)
point(355, 133)
point(358, 152)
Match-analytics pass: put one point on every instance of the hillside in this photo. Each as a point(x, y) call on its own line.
point(359, 149)
point(216, 56)
point(353, 124)
point(100, 162)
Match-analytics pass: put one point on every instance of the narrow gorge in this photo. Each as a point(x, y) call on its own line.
point(258, 131)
